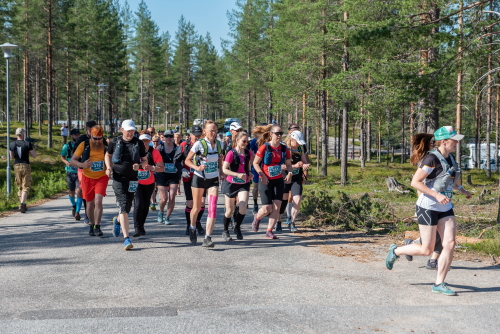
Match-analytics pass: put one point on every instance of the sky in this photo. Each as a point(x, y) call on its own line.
point(206, 15)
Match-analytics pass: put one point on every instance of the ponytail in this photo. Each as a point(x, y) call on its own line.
point(421, 144)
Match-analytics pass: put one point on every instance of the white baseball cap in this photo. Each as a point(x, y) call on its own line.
point(297, 135)
point(128, 125)
point(235, 126)
point(145, 136)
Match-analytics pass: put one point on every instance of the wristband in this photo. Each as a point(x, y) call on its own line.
point(460, 187)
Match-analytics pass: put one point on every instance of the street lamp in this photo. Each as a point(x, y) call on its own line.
point(133, 103)
point(158, 112)
point(180, 124)
point(166, 120)
point(7, 53)
point(101, 116)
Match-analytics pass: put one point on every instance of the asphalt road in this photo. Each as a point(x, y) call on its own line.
point(57, 279)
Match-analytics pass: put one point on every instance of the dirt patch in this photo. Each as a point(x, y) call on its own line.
point(33, 204)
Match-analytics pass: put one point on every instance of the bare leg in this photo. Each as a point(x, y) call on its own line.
point(274, 216)
point(171, 200)
point(163, 197)
point(90, 211)
point(428, 236)
point(125, 224)
point(447, 228)
point(296, 206)
point(197, 195)
point(230, 205)
point(97, 209)
point(242, 202)
point(24, 196)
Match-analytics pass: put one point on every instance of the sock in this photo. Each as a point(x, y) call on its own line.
point(239, 219)
point(236, 210)
point(200, 214)
point(255, 201)
point(289, 210)
point(78, 204)
point(227, 221)
point(188, 215)
point(269, 230)
point(284, 203)
point(72, 200)
point(207, 236)
point(192, 228)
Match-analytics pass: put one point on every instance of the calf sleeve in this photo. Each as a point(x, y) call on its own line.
point(188, 215)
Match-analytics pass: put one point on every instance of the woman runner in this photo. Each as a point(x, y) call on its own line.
point(237, 185)
point(146, 184)
point(435, 179)
point(267, 163)
point(207, 154)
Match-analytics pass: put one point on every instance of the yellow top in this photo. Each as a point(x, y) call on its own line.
point(98, 168)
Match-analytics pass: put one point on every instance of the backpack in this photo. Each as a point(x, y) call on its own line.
point(86, 151)
point(268, 156)
point(71, 149)
point(198, 157)
point(234, 165)
point(443, 180)
point(117, 154)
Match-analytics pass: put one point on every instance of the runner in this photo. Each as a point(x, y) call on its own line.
point(72, 174)
point(157, 144)
point(295, 142)
point(255, 179)
point(146, 176)
point(20, 151)
point(237, 185)
point(123, 157)
point(267, 163)
point(177, 138)
point(94, 180)
point(64, 133)
point(168, 181)
point(187, 177)
point(435, 179)
point(207, 154)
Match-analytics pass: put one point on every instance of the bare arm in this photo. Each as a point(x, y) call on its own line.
point(33, 154)
point(190, 164)
point(417, 183)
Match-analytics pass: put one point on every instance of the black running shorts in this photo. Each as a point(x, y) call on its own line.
point(231, 190)
point(272, 191)
point(199, 182)
point(163, 179)
point(430, 217)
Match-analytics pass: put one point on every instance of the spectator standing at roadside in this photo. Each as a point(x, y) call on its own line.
point(64, 133)
point(20, 150)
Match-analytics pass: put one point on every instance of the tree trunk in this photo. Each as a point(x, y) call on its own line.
point(478, 127)
point(458, 126)
point(345, 116)
point(489, 107)
point(50, 89)
point(37, 96)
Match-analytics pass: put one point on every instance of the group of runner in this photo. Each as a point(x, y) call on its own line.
point(144, 164)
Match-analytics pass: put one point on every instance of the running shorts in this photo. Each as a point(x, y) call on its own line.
point(72, 181)
point(431, 217)
point(273, 191)
point(166, 179)
point(199, 182)
point(231, 190)
point(91, 187)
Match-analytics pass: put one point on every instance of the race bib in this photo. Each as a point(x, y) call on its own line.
point(170, 168)
point(97, 166)
point(211, 167)
point(447, 193)
point(72, 169)
point(295, 171)
point(143, 175)
point(238, 180)
point(132, 186)
point(274, 171)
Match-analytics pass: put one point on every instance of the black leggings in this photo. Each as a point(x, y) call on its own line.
point(141, 204)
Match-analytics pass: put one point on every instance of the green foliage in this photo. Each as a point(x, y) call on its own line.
point(486, 247)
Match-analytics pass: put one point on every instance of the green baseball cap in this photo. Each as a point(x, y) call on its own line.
point(447, 132)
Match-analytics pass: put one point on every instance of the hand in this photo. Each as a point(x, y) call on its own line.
point(87, 164)
point(288, 178)
point(201, 168)
point(67, 164)
point(242, 176)
point(109, 171)
point(299, 164)
point(442, 199)
point(222, 177)
point(467, 194)
point(283, 167)
point(305, 166)
point(264, 180)
point(149, 168)
point(135, 167)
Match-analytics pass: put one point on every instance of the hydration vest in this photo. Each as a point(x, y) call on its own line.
point(86, 151)
point(199, 155)
point(117, 154)
point(441, 182)
point(268, 155)
point(235, 164)
point(168, 157)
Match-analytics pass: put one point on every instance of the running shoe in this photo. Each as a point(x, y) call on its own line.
point(407, 242)
point(293, 229)
point(201, 230)
point(270, 235)
point(192, 236)
point(391, 257)
point(86, 221)
point(443, 289)
point(91, 231)
point(137, 233)
point(77, 216)
point(288, 221)
point(255, 223)
point(97, 230)
point(23, 208)
point(255, 209)
point(153, 207)
point(207, 242)
point(237, 230)
point(160, 217)
point(278, 226)
point(432, 264)
point(116, 227)
point(127, 244)
point(226, 236)
point(73, 211)
point(166, 220)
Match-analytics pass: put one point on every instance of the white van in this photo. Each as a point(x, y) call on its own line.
point(470, 160)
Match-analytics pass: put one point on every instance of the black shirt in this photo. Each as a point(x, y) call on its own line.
point(21, 150)
point(124, 170)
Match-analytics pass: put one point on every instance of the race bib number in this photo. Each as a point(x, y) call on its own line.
point(211, 167)
point(170, 168)
point(295, 171)
point(274, 171)
point(72, 169)
point(143, 175)
point(238, 180)
point(97, 166)
point(447, 193)
point(132, 186)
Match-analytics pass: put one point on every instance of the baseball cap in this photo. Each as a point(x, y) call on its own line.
point(196, 130)
point(168, 133)
point(145, 136)
point(297, 135)
point(90, 124)
point(447, 132)
point(128, 125)
point(20, 131)
point(74, 132)
point(228, 134)
point(97, 131)
point(235, 126)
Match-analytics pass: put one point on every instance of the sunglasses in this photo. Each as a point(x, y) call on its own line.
point(294, 128)
point(97, 138)
point(244, 141)
point(169, 136)
point(278, 133)
point(155, 141)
